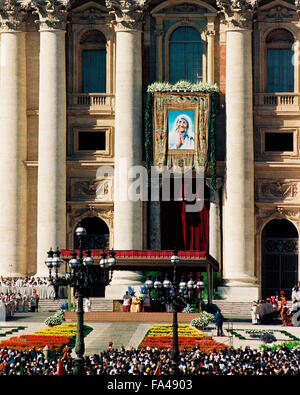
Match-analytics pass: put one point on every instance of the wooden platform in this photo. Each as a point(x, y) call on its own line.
point(105, 316)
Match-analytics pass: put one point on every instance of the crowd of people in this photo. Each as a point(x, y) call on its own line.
point(28, 281)
point(12, 303)
point(153, 361)
point(264, 311)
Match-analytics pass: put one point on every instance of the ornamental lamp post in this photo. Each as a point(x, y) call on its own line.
point(81, 280)
point(174, 295)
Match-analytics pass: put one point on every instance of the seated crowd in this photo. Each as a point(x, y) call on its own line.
point(153, 361)
point(265, 311)
point(25, 282)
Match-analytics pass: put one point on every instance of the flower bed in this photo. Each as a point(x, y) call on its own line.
point(254, 334)
point(27, 342)
point(55, 338)
point(161, 336)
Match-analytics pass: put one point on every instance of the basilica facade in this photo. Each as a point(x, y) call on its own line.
point(73, 81)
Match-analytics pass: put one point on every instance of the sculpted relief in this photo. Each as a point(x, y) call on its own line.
point(277, 190)
point(96, 190)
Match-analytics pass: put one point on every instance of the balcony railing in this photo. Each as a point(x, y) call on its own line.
point(91, 101)
point(277, 101)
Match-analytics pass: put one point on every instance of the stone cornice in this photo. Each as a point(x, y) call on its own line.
point(237, 14)
point(128, 14)
point(12, 13)
point(52, 13)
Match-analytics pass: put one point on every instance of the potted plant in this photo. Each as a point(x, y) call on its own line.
point(55, 319)
point(203, 320)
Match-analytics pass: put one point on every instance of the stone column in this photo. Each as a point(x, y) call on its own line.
point(51, 220)
point(215, 220)
point(239, 262)
point(13, 140)
point(128, 214)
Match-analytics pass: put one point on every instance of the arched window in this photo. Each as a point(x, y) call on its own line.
point(93, 62)
point(97, 234)
point(280, 66)
point(185, 55)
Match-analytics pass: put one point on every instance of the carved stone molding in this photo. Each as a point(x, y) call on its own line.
point(91, 190)
point(128, 14)
point(12, 14)
point(237, 14)
point(52, 13)
point(82, 189)
point(266, 214)
point(89, 16)
point(103, 189)
point(277, 190)
point(77, 213)
point(280, 189)
point(103, 212)
point(278, 13)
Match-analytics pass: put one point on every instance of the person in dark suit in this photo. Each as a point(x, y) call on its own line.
point(219, 319)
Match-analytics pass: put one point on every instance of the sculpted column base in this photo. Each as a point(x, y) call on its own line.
point(240, 290)
point(121, 281)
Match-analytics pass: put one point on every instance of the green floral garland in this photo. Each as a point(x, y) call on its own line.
point(212, 139)
point(185, 86)
point(148, 134)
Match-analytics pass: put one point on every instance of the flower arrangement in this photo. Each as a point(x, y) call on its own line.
point(56, 319)
point(185, 86)
point(203, 320)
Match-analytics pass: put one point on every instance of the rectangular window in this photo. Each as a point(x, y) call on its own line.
point(94, 71)
point(280, 70)
point(279, 142)
point(91, 141)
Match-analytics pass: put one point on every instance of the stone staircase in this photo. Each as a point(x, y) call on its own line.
point(230, 310)
point(97, 304)
point(234, 310)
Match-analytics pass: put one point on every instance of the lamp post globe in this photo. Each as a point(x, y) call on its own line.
point(88, 260)
point(80, 230)
point(149, 283)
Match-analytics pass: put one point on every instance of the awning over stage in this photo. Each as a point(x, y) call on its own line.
point(145, 260)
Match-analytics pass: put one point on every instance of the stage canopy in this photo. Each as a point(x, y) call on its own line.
point(145, 260)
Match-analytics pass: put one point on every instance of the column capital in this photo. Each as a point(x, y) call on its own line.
point(52, 13)
point(128, 13)
point(12, 14)
point(237, 14)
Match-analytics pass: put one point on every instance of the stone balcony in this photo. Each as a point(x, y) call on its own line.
point(91, 102)
point(277, 103)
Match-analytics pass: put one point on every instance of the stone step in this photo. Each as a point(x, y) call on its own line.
point(97, 304)
point(229, 309)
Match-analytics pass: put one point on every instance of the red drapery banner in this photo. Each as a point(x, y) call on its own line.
point(195, 227)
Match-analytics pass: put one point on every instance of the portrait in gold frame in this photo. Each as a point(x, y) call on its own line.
point(169, 105)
